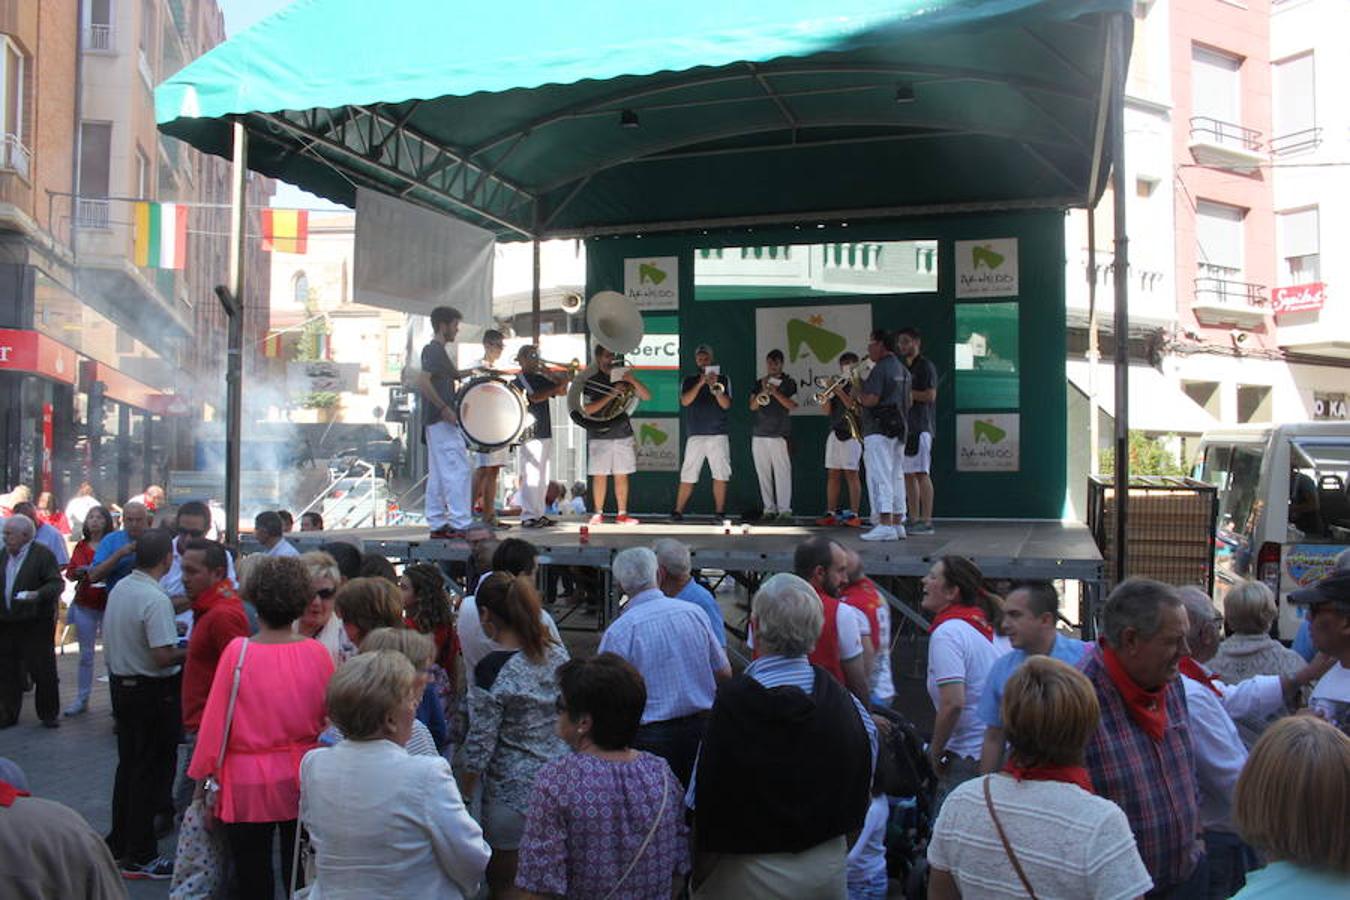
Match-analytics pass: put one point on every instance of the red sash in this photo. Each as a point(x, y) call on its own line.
point(1194, 671)
point(971, 615)
point(1068, 774)
point(8, 792)
point(1147, 708)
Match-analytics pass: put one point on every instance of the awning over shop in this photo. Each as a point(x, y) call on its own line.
point(554, 119)
point(1156, 405)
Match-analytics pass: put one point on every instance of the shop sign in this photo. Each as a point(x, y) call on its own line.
point(1331, 406)
point(652, 282)
point(988, 442)
point(658, 444)
point(1300, 298)
point(29, 351)
point(657, 351)
point(986, 268)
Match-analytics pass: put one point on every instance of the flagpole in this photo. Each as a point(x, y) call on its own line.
point(233, 300)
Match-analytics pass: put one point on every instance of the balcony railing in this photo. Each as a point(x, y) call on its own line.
point(1226, 292)
point(1295, 141)
point(93, 213)
point(14, 155)
point(1228, 134)
point(98, 38)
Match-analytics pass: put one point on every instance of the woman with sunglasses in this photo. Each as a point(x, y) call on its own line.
point(319, 619)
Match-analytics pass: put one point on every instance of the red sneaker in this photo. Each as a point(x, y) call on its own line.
point(827, 520)
point(625, 519)
point(598, 519)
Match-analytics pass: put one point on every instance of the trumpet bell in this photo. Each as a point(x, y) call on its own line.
point(571, 303)
point(614, 322)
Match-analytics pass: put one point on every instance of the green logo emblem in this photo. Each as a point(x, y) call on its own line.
point(648, 272)
point(985, 254)
point(650, 434)
point(988, 433)
point(824, 344)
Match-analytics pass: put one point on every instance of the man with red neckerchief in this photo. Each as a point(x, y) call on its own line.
point(1141, 756)
point(218, 618)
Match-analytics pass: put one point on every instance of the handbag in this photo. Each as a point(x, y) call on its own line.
point(651, 832)
point(1007, 847)
point(201, 859)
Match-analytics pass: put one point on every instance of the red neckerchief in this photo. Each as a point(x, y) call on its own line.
point(1194, 671)
point(971, 615)
point(220, 592)
point(1147, 708)
point(8, 792)
point(1068, 774)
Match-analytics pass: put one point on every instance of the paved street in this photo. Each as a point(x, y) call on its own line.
point(74, 764)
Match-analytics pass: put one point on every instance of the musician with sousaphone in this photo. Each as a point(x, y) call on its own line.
point(539, 385)
point(771, 403)
point(607, 400)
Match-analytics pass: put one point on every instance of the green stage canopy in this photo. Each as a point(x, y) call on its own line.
point(549, 119)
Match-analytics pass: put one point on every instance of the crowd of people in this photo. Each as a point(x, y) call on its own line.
point(380, 735)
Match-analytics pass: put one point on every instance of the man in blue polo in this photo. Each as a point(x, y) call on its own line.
point(116, 554)
point(1029, 615)
point(706, 397)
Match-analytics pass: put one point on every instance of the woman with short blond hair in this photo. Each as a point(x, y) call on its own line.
point(419, 649)
point(1037, 828)
point(1290, 804)
point(383, 823)
point(1249, 609)
point(319, 621)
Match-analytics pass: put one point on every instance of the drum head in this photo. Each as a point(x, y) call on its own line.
point(491, 413)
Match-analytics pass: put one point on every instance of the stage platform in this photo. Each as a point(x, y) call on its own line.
point(1002, 548)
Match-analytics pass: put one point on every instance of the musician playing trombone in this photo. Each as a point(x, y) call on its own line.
point(610, 445)
point(843, 452)
point(706, 398)
point(771, 404)
point(536, 453)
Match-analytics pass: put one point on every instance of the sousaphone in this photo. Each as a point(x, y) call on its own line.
point(615, 324)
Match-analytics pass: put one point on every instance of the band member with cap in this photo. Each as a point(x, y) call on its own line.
point(706, 398)
point(885, 406)
point(919, 442)
point(610, 446)
point(536, 453)
point(769, 436)
point(448, 474)
point(843, 454)
point(489, 464)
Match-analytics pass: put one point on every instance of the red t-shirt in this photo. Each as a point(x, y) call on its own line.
point(88, 596)
point(826, 654)
point(218, 618)
point(862, 595)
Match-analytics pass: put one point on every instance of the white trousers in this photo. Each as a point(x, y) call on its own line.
point(774, 468)
point(535, 459)
point(448, 478)
point(884, 458)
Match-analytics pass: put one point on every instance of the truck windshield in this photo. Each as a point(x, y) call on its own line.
point(1319, 473)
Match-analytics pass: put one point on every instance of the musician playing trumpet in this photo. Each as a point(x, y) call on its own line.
point(610, 446)
point(706, 398)
point(843, 450)
point(772, 403)
point(539, 386)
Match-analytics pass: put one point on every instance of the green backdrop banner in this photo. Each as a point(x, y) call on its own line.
point(999, 355)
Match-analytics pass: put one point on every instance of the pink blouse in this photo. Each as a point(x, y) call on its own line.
point(278, 715)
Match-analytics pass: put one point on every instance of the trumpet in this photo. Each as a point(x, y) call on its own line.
point(717, 388)
point(570, 369)
point(764, 398)
point(832, 388)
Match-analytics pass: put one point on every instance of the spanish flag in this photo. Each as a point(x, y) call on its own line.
point(285, 230)
point(161, 235)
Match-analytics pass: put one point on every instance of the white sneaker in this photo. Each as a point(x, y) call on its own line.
point(900, 534)
point(881, 533)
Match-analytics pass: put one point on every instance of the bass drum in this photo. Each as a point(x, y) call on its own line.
point(492, 413)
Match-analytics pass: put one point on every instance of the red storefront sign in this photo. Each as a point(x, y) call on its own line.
point(29, 351)
point(1300, 297)
point(119, 387)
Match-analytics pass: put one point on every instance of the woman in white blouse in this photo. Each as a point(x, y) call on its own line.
point(383, 823)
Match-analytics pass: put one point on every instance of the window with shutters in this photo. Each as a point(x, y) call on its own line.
point(1218, 235)
point(1300, 247)
point(1295, 108)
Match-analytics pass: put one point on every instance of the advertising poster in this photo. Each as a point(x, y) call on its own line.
point(986, 268)
point(811, 338)
point(658, 444)
point(652, 282)
point(988, 442)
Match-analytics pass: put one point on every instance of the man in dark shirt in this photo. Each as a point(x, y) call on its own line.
point(885, 405)
point(448, 473)
point(536, 453)
point(919, 445)
point(706, 426)
point(769, 436)
point(843, 455)
point(610, 449)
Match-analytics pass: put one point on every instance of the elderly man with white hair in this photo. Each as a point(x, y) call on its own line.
point(674, 576)
point(674, 648)
point(29, 592)
point(785, 771)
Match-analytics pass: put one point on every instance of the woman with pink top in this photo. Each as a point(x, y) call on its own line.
point(278, 714)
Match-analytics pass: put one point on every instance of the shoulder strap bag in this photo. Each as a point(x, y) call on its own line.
point(651, 832)
point(1007, 847)
point(211, 787)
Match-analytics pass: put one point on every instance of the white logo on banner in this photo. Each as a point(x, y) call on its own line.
point(811, 338)
point(988, 442)
point(652, 283)
point(658, 444)
point(986, 268)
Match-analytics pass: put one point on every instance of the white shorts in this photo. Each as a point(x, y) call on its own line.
point(715, 448)
point(495, 458)
point(611, 456)
point(842, 454)
point(923, 460)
